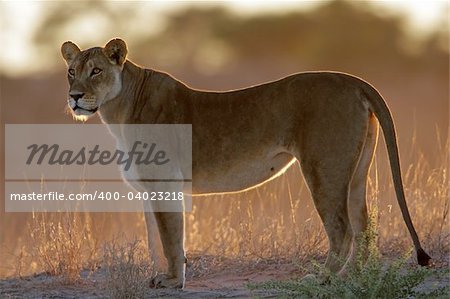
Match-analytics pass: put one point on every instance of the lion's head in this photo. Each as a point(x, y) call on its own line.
point(94, 75)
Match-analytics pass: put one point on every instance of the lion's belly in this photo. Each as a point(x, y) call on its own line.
point(240, 175)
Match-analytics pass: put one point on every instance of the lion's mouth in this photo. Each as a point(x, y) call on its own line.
point(88, 110)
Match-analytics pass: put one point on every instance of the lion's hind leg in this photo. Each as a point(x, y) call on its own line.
point(357, 205)
point(332, 209)
point(329, 190)
point(328, 158)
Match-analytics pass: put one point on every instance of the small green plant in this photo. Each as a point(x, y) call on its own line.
point(369, 277)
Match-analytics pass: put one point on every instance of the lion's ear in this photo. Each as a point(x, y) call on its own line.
point(116, 51)
point(69, 51)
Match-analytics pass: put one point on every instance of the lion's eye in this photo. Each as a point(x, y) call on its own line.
point(72, 72)
point(95, 71)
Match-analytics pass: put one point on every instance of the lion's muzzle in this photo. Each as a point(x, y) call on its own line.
point(81, 105)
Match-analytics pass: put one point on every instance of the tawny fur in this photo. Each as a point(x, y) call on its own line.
point(325, 120)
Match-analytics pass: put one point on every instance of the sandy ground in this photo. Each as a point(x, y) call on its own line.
point(226, 281)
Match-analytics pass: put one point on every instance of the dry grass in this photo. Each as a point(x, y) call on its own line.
point(427, 189)
point(266, 222)
point(62, 244)
point(278, 219)
point(128, 270)
point(274, 221)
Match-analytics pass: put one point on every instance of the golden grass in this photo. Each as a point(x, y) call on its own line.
point(128, 269)
point(276, 220)
point(62, 244)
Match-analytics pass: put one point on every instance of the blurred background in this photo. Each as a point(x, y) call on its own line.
point(401, 47)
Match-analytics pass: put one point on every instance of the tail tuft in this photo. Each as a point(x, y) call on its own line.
point(423, 258)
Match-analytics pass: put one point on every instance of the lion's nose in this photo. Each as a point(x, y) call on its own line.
point(76, 96)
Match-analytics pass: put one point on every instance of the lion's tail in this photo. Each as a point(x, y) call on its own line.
point(381, 111)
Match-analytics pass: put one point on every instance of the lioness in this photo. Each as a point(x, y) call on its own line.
point(242, 138)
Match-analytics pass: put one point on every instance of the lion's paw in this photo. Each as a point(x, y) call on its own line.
point(165, 281)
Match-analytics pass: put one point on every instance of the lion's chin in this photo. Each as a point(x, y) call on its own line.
point(81, 114)
point(82, 118)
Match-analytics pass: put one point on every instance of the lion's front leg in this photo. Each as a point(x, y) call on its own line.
point(171, 231)
point(154, 245)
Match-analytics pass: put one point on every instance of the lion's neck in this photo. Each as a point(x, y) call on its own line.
point(114, 110)
point(147, 97)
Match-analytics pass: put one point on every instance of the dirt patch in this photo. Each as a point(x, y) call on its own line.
point(207, 277)
point(227, 280)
